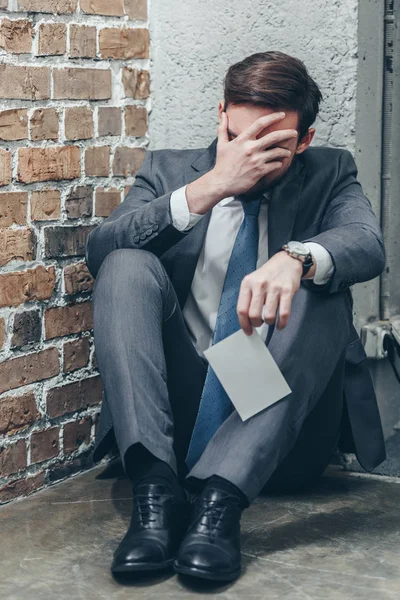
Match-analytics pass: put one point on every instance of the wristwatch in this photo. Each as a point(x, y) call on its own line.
point(301, 252)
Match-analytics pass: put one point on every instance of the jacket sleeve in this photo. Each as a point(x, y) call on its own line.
point(350, 232)
point(143, 220)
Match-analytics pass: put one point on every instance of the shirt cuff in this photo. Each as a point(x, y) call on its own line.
point(324, 263)
point(182, 219)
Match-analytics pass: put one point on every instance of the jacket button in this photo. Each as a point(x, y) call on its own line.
point(155, 227)
point(136, 239)
point(149, 231)
point(142, 236)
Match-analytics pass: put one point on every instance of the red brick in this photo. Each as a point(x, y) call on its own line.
point(27, 286)
point(64, 320)
point(13, 458)
point(44, 444)
point(2, 332)
point(82, 41)
point(77, 279)
point(76, 354)
point(127, 161)
point(29, 368)
point(106, 201)
point(82, 84)
point(66, 241)
point(126, 190)
point(52, 39)
point(136, 83)
point(44, 124)
point(17, 413)
point(16, 36)
point(14, 124)
point(111, 8)
point(5, 167)
point(13, 208)
point(124, 43)
point(15, 244)
point(77, 433)
point(109, 120)
point(51, 163)
point(24, 83)
point(135, 121)
point(97, 161)
point(78, 123)
point(21, 487)
point(79, 202)
point(45, 205)
point(136, 9)
point(58, 7)
point(74, 396)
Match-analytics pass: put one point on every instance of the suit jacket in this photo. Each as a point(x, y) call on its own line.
point(319, 199)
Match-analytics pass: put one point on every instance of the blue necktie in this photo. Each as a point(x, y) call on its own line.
point(215, 405)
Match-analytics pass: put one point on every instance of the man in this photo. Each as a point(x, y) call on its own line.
point(256, 231)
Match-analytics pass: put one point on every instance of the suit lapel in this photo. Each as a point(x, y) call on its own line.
point(283, 206)
point(190, 247)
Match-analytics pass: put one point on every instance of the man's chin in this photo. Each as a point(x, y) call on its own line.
point(265, 183)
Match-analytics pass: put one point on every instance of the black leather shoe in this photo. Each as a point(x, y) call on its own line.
point(211, 547)
point(159, 522)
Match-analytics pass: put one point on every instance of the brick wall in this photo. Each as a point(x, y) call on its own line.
point(74, 87)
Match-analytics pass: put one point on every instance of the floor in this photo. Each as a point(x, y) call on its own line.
point(342, 540)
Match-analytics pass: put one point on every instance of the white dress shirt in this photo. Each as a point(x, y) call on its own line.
point(201, 307)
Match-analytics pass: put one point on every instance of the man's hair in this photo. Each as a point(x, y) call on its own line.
point(274, 80)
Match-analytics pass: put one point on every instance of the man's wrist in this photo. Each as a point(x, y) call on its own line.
point(294, 262)
point(204, 193)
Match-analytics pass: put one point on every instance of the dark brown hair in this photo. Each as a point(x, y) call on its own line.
point(274, 80)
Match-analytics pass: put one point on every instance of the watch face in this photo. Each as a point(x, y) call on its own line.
point(298, 247)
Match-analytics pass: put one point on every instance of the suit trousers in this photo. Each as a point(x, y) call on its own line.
point(153, 378)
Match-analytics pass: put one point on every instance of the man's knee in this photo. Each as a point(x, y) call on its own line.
point(130, 266)
point(130, 271)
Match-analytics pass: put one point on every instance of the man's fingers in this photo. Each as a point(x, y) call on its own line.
point(285, 306)
point(275, 154)
point(270, 166)
point(261, 123)
point(271, 306)
point(256, 306)
point(223, 128)
point(242, 309)
point(275, 137)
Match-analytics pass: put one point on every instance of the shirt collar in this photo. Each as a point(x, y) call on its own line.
point(231, 199)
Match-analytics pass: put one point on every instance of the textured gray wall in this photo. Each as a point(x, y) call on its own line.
point(193, 44)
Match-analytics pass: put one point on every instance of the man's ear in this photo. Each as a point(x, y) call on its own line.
point(305, 141)
point(221, 106)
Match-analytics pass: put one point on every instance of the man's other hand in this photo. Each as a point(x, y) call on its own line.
point(272, 288)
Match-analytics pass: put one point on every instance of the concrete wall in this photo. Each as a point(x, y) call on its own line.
point(193, 44)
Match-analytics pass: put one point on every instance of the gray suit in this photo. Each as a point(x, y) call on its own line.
point(137, 253)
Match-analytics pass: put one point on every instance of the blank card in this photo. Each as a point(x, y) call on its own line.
point(248, 373)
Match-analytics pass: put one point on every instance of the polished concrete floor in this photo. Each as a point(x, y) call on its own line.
point(341, 540)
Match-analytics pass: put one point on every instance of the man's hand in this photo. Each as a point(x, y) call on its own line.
point(240, 163)
point(272, 286)
point(243, 161)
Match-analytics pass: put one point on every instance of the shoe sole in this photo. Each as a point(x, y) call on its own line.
point(142, 567)
point(193, 572)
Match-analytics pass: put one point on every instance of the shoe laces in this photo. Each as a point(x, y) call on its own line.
point(146, 509)
point(211, 517)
